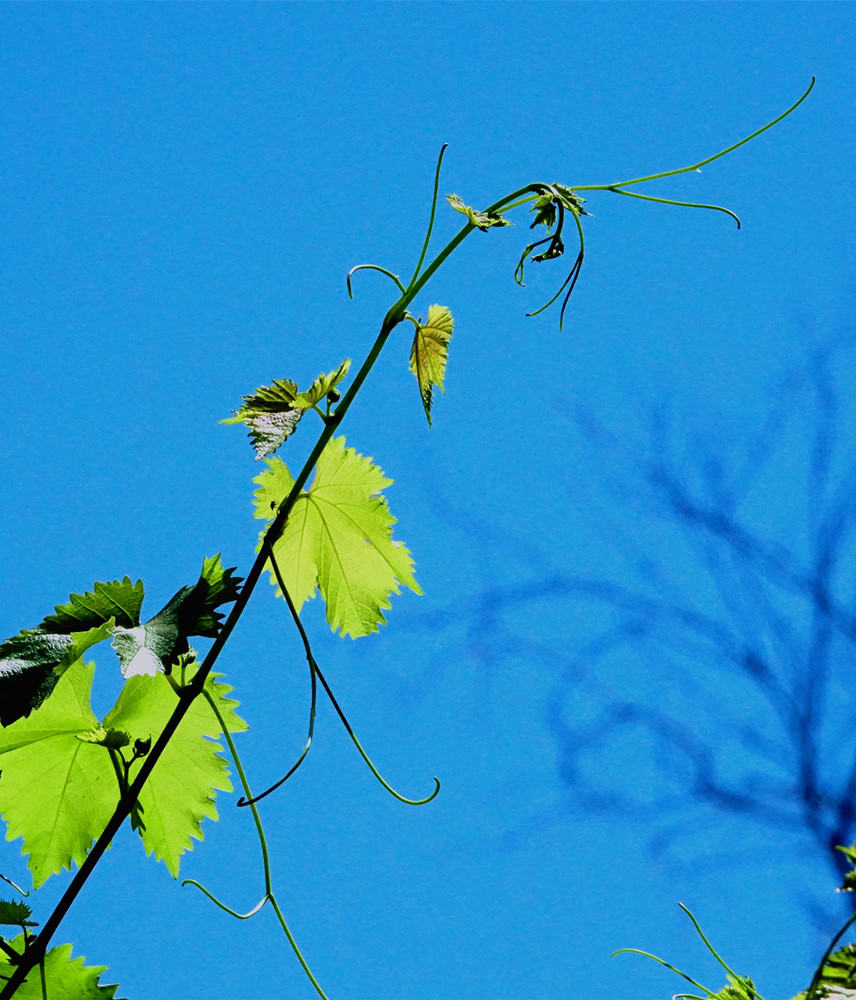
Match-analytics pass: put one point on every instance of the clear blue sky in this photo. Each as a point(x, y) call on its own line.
point(182, 191)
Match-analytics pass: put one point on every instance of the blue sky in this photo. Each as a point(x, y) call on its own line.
point(183, 189)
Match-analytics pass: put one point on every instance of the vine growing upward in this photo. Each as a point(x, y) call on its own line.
point(70, 780)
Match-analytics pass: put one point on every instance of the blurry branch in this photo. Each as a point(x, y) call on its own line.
point(762, 542)
point(719, 662)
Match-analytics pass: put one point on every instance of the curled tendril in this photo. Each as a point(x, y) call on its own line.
point(316, 672)
point(556, 246)
point(372, 267)
point(365, 756)
point(313, 670)
point(14, 885)
point(222, 905)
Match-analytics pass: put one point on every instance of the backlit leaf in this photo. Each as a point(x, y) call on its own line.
point(272, 412)
point(484, 220)
point(57, 791)
point(429, 353)
point(65, 977)
point(181, 789)
point(338, 536)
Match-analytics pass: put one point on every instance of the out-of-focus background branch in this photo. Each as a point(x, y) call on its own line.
point(718, 654)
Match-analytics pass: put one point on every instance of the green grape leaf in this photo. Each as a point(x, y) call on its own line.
point(119, 602)
point(32, 662)
point(484, 220)
point(849, 881)
point(838, 976)
point(338, 536)
point(272, 412)
point(738, 988)
point(182, 787)
point(429, 353)
point(216, 586)
point(12, 911)
point(545, 207)
point(64, 976)
point(57, 791)
point(153, 647)
point(323, 385)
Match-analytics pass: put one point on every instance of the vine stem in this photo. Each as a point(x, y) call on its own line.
point(394, 316)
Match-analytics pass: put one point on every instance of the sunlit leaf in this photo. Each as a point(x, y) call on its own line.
point(484, 220)
point(57, 791)
point(338, 537)
point(182, 787)
point(429, 353)
point(272, 412)
point(64, 977)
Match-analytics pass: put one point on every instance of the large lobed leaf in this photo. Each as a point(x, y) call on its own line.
point(181, 790)
point(429, 353)
point(338, 537)
point(58, 784)
point(66, 978)
point(57, 792)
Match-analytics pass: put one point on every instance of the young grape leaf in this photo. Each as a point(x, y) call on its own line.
point(738, 988)
point(429, 353)
point(64, 976)
point(56, 790)
point(484, 220)
point(153, 647)
point(838, 976)
point(338, 536)
point(33, 661)
point(545, 206)
point(272, 412)
point(12, 911)
point(323, 385)
point(119, 602)
point(181, 789)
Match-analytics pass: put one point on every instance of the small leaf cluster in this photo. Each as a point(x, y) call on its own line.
point(273, 412)
point(32, 662)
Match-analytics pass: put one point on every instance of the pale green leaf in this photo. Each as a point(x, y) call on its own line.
point(484, 220)
point(272, 412)
point(338, 536)
point(324, 384)
point(181, 789)
point(57, 791)
point(65, 978)
point(429, 353)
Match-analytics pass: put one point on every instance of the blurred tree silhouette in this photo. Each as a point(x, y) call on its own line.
point(719, 664)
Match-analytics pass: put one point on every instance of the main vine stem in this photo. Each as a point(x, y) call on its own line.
point(38, 945)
